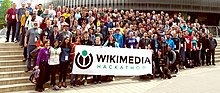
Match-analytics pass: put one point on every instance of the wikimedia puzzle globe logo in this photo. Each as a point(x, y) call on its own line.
point(84, 60)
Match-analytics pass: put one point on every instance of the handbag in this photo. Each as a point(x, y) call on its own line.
point(34, 76)
point(34, 53)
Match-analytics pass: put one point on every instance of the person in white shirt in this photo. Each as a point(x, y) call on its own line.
point(32, 18)
point(53, 62)
point(52, 11)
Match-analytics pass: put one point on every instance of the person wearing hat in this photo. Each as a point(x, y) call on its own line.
point(119, 37)
point(31, 38)
point(65, 32)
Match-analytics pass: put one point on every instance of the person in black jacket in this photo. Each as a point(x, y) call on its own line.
point(211, 51)
point(144, 42)
point(205, 46)
point(86, 41)
point(55, 35)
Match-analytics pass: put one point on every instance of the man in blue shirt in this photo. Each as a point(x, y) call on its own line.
point(131, 42)
point(119, 38)
point(170, 42)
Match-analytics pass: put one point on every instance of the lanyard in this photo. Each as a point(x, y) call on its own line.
point(36, 32)
point(55, 49)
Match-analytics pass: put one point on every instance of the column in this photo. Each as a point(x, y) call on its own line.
point(97, 2)
point(71, 3)
point(74, 4)
point(108, 3)
point(111, 5)
point(104, 3)
point(90, 4)
point(101, 3)
point(123, 3)
point(68, 3)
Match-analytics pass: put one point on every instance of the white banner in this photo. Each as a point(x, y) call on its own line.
point(94, 60)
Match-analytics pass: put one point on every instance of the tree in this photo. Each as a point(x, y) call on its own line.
point(5, 5)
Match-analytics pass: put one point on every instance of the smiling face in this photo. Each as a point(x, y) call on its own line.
point(56, 43)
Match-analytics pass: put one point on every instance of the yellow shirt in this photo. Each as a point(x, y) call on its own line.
point(66, 15)
point(23, 19)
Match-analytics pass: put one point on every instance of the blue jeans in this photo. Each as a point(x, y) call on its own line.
point(30, 48)
point(17, 35)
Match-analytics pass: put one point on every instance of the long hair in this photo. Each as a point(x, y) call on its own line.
point(56, 40)
point(64, 45)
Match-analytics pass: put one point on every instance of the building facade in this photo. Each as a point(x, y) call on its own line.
point(207, 11)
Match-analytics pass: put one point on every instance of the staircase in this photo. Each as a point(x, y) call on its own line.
point(12, 75)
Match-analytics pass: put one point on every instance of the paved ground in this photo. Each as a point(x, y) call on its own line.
point(204, 79)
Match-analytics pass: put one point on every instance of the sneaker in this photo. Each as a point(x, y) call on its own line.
point(55, 87)
point(100, 82)
point(184, 67)
point(6, 41)
point(94, 82)
point(85, 82)
point(113, 78)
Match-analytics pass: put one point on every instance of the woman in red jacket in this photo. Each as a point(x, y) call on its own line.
point(75, 77)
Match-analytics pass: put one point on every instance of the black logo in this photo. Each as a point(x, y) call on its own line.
point(84, 61)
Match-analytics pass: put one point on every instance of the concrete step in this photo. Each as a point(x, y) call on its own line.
point(14, 80)
point(12, 68)
point(11, 62)
point(9, 44)
point(12, 52)
point(10, 48)
point(25, 86)
point(217, 50)
point(11, 74)
point(17, 87)
point(11, 57)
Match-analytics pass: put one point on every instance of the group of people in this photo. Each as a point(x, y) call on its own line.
point(49, 37)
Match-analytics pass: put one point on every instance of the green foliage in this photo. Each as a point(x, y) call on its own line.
point(5, 5)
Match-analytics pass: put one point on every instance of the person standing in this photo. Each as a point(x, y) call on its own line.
point(42, 64)
point(40, 10)
point(199, 47)
point(20, 12)
point(53, 62)
point(32, 36)
point(10, 18)
point(119, 37)
point(144, 42)
point(74, 76)
point(131, 42)
point(182, 50)
point(64, 61)
point(86, 41)
point(97, 78)
point(188, 40)
point(211, 51)
point(204, 54)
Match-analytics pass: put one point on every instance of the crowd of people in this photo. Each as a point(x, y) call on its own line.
point(49, 37)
